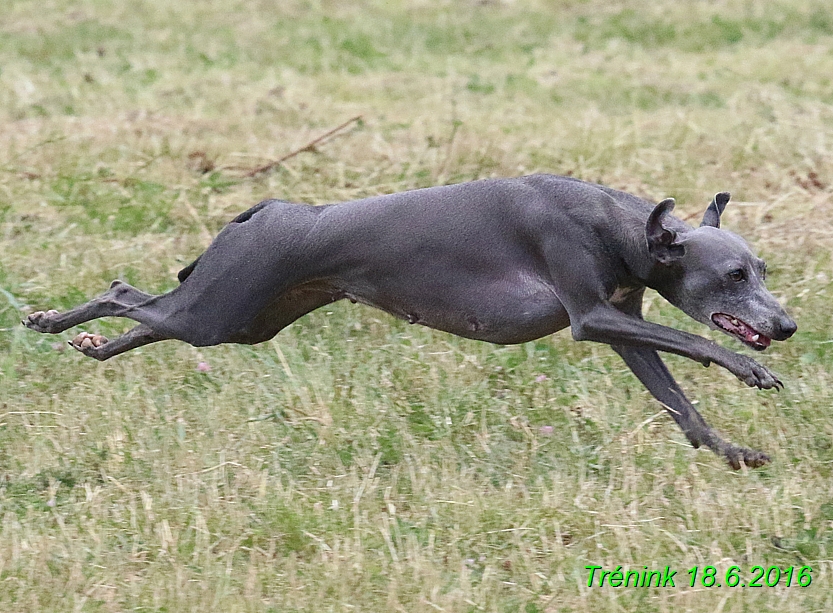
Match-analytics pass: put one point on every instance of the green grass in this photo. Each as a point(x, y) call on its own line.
point(356, 463)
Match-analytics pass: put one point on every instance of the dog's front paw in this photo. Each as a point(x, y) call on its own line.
point(751, 458)
point(754, 374)
point(88, 343)
point(41, 321)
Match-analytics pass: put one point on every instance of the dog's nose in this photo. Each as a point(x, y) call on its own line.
point(788, 327)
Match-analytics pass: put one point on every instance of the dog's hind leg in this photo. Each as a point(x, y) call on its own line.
point(100, 348)
point(654, 375)
point(255, 259)
point(287, 308)
point(118, 301)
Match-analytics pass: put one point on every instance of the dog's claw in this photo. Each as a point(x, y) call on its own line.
point(755, 375)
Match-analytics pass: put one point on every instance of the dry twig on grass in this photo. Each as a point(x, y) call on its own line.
point(310, 146)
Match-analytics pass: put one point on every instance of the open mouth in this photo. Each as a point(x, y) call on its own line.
point(741, 331)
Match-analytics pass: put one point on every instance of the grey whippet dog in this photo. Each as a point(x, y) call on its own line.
point(498, 260)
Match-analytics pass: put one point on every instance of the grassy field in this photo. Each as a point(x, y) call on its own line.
point(356, 463)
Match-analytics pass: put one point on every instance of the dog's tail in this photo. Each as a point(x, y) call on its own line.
point(183, 274)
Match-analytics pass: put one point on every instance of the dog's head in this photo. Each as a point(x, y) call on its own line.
point(713, 276)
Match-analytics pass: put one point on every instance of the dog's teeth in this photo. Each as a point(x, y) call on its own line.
point(756, 337)
point(735, 321)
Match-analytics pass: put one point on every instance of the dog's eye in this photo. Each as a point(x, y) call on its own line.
point(737, 275)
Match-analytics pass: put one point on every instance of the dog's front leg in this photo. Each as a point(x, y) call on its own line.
point(654, 375)
point(606, 324)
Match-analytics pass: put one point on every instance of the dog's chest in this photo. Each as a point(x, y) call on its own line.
point(623, 294)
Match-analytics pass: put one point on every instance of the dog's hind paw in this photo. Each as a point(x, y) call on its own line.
point(88, 343)
point(41, 321)
point(751, 458)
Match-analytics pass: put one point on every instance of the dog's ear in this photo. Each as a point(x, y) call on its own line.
point(662, 243)
point(715, 210)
